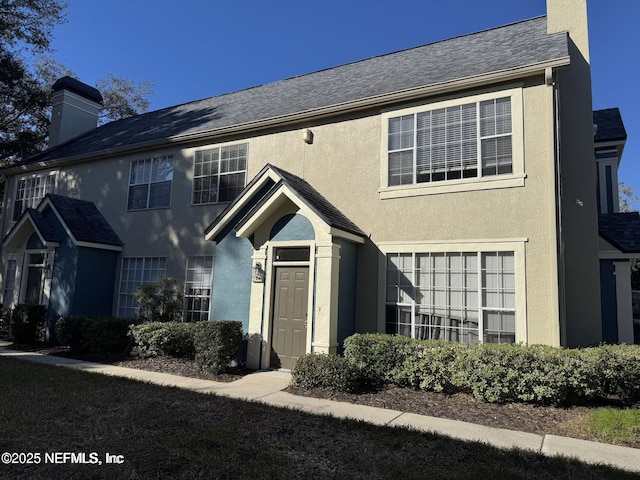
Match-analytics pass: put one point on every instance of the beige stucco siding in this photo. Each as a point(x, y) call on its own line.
point(344, 164)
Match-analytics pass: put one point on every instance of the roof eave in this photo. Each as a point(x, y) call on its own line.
point(306, 115)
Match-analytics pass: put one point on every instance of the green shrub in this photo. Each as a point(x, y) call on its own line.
point(498, 372)
point(95, 334)
point(153, 339)
point(5, 320)
point(430, 366)
point(216, 344)
point(379, 358)
point(28, 323)
point(160, 301)
point(618, 369)
point(504, 373)
point(325, 371)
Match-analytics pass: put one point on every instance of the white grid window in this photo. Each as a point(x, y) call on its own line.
point(466, 297)
point(150, 183)
point(137, 271)
point(219, 173)
point(464, 141)
point(197, 288)
point(9, 293)
point(30, 191)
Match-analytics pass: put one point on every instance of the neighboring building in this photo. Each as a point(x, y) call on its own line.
point(444, 191)
point(619, 232)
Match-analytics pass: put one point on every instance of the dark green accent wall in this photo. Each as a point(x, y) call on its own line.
point(347, 290)
point(609, 303)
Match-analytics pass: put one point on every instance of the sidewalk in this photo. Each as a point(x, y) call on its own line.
point(266, 387)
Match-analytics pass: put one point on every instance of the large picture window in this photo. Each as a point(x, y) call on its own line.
point(465, 297)
point(471, 140)
point(219, 173)
point(31, 190)
point(197, 288)
point(150, 183)
point(137, 271)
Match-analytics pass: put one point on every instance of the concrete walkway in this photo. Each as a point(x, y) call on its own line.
point(266, 387)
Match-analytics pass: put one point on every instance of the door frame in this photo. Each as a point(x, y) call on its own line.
point(269, 294)
point(278, 268)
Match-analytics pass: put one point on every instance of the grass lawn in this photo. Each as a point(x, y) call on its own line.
point(169, 433)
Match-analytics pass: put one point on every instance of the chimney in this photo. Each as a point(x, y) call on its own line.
point(570, 16)
point(75, 109)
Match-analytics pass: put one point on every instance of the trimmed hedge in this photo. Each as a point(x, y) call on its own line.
point(217, 344)
point(174, 339)
point(491, 372)
point(28, 323)
point(95, 334)
point(326, 371)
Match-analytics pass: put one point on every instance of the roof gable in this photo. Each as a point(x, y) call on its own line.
point(373, 81)
point(609, 125)
point(281, 184)
point(622, 230)
point(39, 224)
point(83, 222)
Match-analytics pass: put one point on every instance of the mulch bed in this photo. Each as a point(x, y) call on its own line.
point(512, 416)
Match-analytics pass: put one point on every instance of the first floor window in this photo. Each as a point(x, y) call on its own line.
point(9, 293)
point(137, 271)
point(150, 183)
point(465, 297)
point(31, 190)
point(197, 288)
point(219, 174)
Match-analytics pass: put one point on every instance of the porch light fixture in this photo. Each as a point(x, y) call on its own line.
point(47, 270)
point(258, 273)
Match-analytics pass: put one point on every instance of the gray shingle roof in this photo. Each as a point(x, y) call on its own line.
point(610, 125)
point(622, 230)
point(43, 225)
point(84, 220)
point(499, 49)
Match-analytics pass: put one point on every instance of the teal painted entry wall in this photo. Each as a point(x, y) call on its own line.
point(231, 293)
point(292, 227)
point(82, 279)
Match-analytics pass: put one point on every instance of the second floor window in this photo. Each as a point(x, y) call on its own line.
point(462, 141)
point(219, 174)
point(29, 192)
point(150, 183)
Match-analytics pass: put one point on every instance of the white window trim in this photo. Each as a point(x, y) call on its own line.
point(515, 179)
point(517, 246)
point(53, 173)
point(220, 146)
point(120, 293)
point(188, 284)
point(603, 163)
point(149, 183)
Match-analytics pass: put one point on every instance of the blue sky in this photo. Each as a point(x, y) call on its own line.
point(193, 49)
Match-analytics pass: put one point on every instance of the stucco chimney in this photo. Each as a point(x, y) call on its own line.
point(75, 109)
point(570, 16)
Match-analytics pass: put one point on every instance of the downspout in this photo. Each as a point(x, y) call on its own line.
point(557, 247)
point(3, 223)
